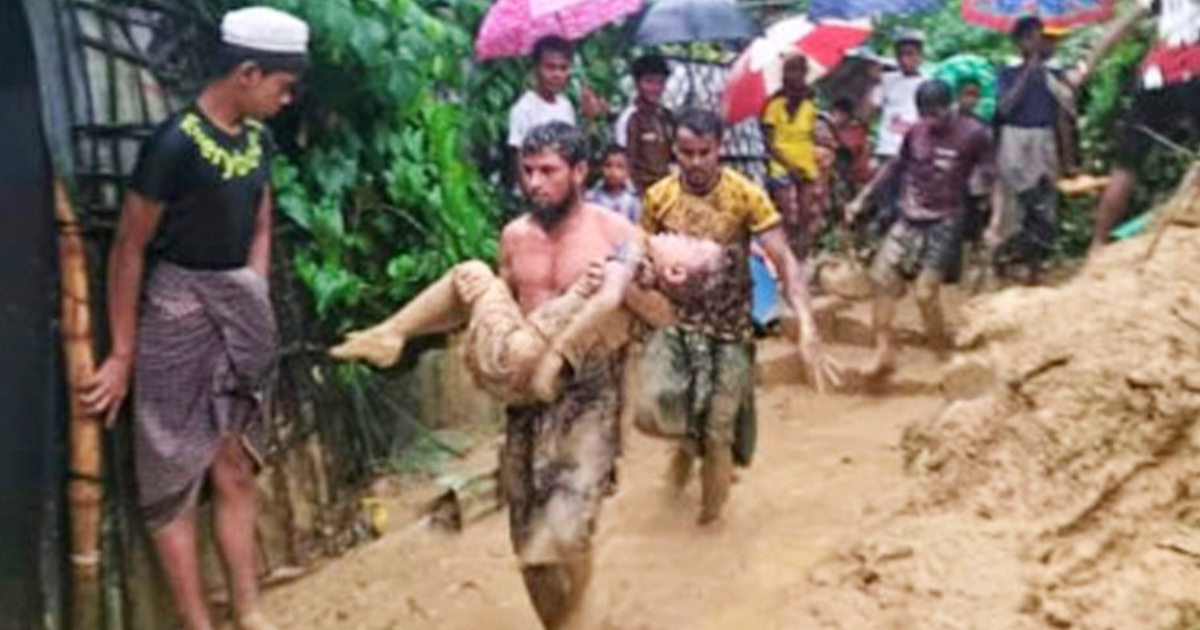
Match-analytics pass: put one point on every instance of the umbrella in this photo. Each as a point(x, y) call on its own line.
point(1001, 14)
point(851, 9)
point(511, 27)
point(967, 67)
point(684, 21)
point(758, 72)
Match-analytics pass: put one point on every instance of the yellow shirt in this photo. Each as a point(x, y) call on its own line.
point(734, 210)
point(792, 135)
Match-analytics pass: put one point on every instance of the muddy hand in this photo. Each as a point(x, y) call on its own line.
point(379, 347)
point(824, 370)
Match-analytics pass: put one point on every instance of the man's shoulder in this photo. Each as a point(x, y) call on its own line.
point(518, 229)
point(664, 187)
point(734, 180)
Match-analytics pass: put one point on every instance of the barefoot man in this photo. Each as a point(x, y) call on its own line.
point(936, 161)
point(697, 377)
point(196, 225)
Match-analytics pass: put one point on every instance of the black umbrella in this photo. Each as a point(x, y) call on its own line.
point(683, 21)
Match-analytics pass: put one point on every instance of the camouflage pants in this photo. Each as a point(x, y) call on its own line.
point(699, 389)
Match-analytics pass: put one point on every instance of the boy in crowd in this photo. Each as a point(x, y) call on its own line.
point(552, 58)
point(894, 98)
point(645, 129)
point(614, 190)
point(1031, 101)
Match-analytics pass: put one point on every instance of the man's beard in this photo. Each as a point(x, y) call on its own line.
point(551, 214)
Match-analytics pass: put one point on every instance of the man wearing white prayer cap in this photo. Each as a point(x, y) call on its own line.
point(190, 314)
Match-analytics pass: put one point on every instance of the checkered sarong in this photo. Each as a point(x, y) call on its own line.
point(206, 344)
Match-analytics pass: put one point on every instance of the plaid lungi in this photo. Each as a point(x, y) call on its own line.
point(699, 389)
point(206, 345)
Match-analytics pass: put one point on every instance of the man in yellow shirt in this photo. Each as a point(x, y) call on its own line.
point(790, 128)
point(697, 376)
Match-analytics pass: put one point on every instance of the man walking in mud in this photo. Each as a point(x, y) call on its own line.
point(936, 160)
point(697, 383)
point(196, 226)
point(559, 457)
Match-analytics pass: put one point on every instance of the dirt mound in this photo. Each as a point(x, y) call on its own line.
point(1065, 492)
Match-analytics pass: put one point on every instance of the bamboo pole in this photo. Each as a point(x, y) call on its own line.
point(85, 491)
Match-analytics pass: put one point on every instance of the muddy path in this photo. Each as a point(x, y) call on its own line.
point(827, 468)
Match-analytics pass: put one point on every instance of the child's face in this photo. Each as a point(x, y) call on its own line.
point(840, 117)
point(968, 98)
point(651, 87)
point(909, 56)
point(616, 171)
point(677, 257)
point(553, 72)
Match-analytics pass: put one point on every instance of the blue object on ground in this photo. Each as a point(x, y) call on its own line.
point(1133, 227)
point(764, 296)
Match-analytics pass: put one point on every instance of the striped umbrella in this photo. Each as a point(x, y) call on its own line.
point(758, 72)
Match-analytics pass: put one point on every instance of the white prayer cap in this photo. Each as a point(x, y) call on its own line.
point(265, 29)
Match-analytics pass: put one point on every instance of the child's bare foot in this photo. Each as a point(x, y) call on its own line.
point(378, 346)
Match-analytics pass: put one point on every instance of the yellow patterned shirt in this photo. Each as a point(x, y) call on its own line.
point(729, 214)
point(733, 211)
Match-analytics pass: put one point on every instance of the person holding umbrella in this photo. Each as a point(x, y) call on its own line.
point(1031, 100)
point(545, 102)
point(789, 128)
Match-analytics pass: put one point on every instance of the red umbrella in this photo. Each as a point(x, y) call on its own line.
point(758, 72)
point(511, 27)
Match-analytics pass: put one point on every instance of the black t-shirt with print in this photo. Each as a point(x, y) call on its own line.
point(210, 184)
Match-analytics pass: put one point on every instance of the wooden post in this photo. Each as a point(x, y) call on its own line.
point(84, 488)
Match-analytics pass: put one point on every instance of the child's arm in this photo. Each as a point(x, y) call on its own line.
point(569, 345)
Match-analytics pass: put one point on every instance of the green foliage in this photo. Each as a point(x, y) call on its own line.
point(380, 196)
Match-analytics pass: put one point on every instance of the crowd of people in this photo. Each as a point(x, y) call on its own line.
point(655, 256)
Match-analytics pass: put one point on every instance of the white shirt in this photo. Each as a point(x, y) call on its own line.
point(896, 97)
point(621, 127)
point(532, 110)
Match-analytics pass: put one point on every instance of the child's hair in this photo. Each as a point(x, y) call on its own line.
point(611, 150)
point(552, 44)
point(1026, 26)
point(650, 65)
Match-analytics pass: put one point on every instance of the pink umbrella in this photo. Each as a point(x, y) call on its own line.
point(758, 72)
point(511, 27)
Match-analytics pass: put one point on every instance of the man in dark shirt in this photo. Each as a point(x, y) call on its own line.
point(1031, 104)
point(935, 163)
point(196, 225)
point(646, 128)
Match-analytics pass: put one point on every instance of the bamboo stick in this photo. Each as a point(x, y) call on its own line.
point(85, 490)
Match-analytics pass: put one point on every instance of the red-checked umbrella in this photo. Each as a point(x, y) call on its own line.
point(1001, 14)
point(511, 27)
point(758, 72)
